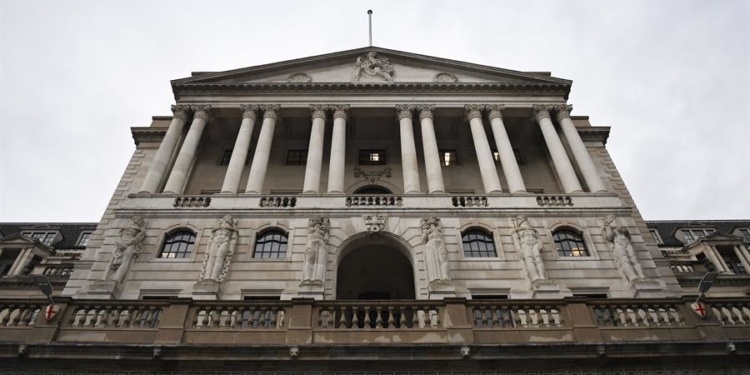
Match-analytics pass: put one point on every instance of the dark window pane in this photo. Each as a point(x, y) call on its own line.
point(270, 245)
point(478, 244)
point(569, 243)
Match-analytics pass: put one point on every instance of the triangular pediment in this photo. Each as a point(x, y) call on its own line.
point(372, 65)
point(20, 241)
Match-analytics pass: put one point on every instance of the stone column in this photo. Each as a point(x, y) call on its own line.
point(431, 155)
point(241, 147)
point(166, 148)
point(580, 153)
point(742, 258)
point(714, 258)
point(176, 182)
point(315, 149)
point(484, 155)
point(505, 150)
point(20, 262)
point(719, 258)
point(263, 149)
point(559, 157)
point(336, 168)
point(408, 150)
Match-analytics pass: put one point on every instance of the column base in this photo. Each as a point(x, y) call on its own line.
point(311, 289)
point(647, 288)
point(206, 290)
point(548, 289)
point(102, 289)
point(440, 289)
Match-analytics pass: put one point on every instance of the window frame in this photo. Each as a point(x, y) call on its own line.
point(163, 241)
point(492, 230)
point(51, 235)
point(258, 235)
point(490, 235)
point(81, 236)
point(693, 234)
point(584, 233)
point(455, 161)
point(657, 237)
point(561, 253)
point(299, 160)
point(367, 153)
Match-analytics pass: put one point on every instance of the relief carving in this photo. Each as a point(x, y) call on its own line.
point(299, 78)
point(444, 77)
point(316, 253)
point(127, 245)
point(527, 242)
point(221, 248)
point(375, 223)
point(373, 66)
point(619, 240)
point(436, 254)
point(372, 176)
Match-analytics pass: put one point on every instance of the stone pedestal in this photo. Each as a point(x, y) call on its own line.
point(102, 289)
point(548, 289)
point(647, 288)
point(207, 290)
point(441, 289)
point(311, 289)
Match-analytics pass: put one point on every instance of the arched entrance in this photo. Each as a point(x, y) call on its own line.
point(372, 189)
point(374, 266)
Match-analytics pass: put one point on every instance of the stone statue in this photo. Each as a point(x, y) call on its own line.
point(373, 66)
point(127, 247)
point(436, 254)
point(527, 242)
point(316, 253)
point(220, 250)
point(619, 240)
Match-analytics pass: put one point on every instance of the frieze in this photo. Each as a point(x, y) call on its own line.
point(372, 176)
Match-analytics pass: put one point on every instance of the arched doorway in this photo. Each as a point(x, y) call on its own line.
point(372, 189)
point(375, 266)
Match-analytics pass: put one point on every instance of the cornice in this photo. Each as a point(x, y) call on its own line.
point(594, 134)
point(147, 134)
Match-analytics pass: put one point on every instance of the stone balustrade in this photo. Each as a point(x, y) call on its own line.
point(379, 315)
point(374, 201)
point(554, 201)
point(470, 201)
point(682, 268)
point(192, 201)
point(19, 314)
point(255, 316)
point(115, 316)
point(511, 315)
point(58, 270)
point(732, 313)
point(280, 201)
point(638, 314)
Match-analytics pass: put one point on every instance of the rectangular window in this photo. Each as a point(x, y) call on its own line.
point(448, 158)
point(372, 157)
point(745, 233)
point(7, 258)
point(226, 157)
point(43, 237)
point(517, 154)
point(84, 240)
point(688, 236)
point(732, 260)
point(656, 236)
point(296, 157)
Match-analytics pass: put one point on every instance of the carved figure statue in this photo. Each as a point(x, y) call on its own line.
point(526, 240)
point(127, 247)
point(373, 66)
point(220, 250)
point(620, 241)
point(436, 254)
point(316, 253)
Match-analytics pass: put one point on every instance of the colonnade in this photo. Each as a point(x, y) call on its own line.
point(474, 114)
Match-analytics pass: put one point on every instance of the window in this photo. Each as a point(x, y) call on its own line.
point(43, 237)
point(692, 235)
point(271, 244)
point(178, 245)
point(656, 236)
point(478, 244)
point(296, 157)
point(732, 260)
point(517, 154)
point(570, 244)
point(7, 259)
point(371, 157)
point(448, 158)
point(745, 234)
point(226, 157)
point(84, 239)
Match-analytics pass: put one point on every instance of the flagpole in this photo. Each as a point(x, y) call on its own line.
point(369, 15)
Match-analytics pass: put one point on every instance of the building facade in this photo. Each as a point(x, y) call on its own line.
point(376, 210)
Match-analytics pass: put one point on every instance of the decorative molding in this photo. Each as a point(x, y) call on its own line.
point(340, 110)
point(404, 110)
point(375, 223)
point(541, 111)
point(148, 135)
point(495, 110)
point(563, 111)
point(249, 111)
point(373, 66)
point(444, 77)
point(300, 77)
point(425, 110)
point(202, 112)
point(270, 111)
point(181, 112)
point(372, 176)
point(318, 110)
point(594, 134)
point(474, 110)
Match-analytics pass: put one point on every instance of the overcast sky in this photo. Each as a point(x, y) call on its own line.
point(672, 79)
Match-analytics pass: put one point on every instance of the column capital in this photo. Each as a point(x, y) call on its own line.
point(495, 110)
point(340, 110)
point(563, 111)
point(404, 110)
point(318, 110)
point(202, 112)
point(425, 110)
point(249, 110)
point(180, 111)
point(473, 110)
point(541, 111)
point(270, 111)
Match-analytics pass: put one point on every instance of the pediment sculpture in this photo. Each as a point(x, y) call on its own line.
point(220, 250)
point(619, 240)
point(127, 247)
point(527, 242)
point(373, 66)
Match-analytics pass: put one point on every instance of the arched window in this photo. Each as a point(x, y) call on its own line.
point(478, 244)
point(271, 244)
point(570, 244)
point(178, 245)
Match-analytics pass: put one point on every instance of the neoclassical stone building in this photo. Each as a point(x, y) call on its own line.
point(376, 211)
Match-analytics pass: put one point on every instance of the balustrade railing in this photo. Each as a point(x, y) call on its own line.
point(19, 315)
point(510, 315)
point(192, 201)
point(58, 270)
point(469, 201)
point(638, 314)
point(281, 201)
point(731, 313)
point(554, 201)
point(115, 316)
point(254, 316)
point(682, 268)
point(379, 315)
point(373, 201)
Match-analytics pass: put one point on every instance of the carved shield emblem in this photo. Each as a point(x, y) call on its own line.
point(700, 309)
point(51, 311)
